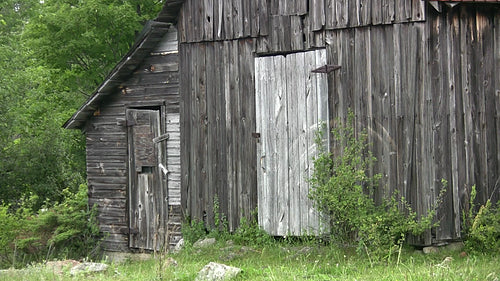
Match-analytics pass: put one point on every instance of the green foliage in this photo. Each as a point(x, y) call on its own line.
point(343, 189)
point(65, 230)
point(192, 230)
point(53, 54)
point(249, 233)
point(482, 228)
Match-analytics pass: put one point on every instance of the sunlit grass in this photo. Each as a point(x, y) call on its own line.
point(297, 261)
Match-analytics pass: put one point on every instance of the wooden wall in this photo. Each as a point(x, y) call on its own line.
point(218, 119)
point(288, 25)
point(154, 84)
point(423, 84)
point(428, 95)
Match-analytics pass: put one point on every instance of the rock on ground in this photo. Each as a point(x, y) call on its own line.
point(204, 243)
point(216, 271)
point(88, 267)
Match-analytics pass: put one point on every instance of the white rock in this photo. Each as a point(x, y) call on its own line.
point(179, 246)
point(216, 271)
point(204, 243)
point(88, 267)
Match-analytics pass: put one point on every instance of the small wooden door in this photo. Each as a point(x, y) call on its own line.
point(291, 104)
point(148, 208)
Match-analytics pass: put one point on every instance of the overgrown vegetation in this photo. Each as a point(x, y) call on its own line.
point(288, 261)
point(248, 232)
point(53, 54)
point(481, 228)
point(343, 189)
point(67, 230)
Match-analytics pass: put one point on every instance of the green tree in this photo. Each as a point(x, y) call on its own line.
point(53, 54)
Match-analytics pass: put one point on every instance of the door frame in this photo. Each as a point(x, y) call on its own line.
point(157, 239)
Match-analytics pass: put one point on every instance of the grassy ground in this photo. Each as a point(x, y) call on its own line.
point(287, 262)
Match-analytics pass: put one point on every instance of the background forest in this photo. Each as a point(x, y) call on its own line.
point(53, 55)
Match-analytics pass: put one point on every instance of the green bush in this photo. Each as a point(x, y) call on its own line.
point(482, 228)
point(65, 230)
point(342, 189)
point(249, 233)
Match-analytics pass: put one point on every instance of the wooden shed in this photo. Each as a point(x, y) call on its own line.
point(257, 78)
point(132, 128)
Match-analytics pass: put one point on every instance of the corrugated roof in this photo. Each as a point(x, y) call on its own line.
point(148, 39)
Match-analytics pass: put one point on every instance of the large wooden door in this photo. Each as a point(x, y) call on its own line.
point(148, 208)
point(291, 103)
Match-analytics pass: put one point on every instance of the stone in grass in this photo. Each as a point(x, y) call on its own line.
point(88, 267)
point(430, 250)
point(203, 243)
point(216, 271)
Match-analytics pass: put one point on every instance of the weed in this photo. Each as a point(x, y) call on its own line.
point(343, 189)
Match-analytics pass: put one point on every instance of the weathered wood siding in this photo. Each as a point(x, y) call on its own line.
point(154, 84)
point(428, 95)
point(218, 119)
point(288, 25)
point(423, 84)
point(291, 106)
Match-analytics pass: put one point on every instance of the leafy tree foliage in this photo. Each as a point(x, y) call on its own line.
point(53, 54)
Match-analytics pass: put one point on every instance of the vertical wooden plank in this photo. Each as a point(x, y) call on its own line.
point(496, 87)
point(480, 86)
point(375, 127)
point(424, 142)
point(365, 7)
point(388, 10)
point(260, 84)
point(485, 25)
point(454, 116)
point(403, 10)
point(236, 93)
point(246, 116)
point(246, 13)
point(185, 122)
point(342, 13)
point(311, 127)
point(294, 65)
point(301, 7)
point(228, 19)
point(418, 10)
point(195, 193)
point(270, 150)
point(302, 145)
point(198, 20)
point(253, 13)
point(208, 19)
point(361, 80)
point(280, 115)
point(323, 114)
point(377, 12)
point(187, 17)
point(218, 19)
point(181, 25)
point(202, 147)
point(317, 14)
point(274, 6)
point(297, 41)
point(354, 12)
point(330, 14)
point(222, 146)
point(465, 32)
point(211, 66)
point(238, 18)
point(263, 18)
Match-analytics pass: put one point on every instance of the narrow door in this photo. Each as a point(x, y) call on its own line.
point(147, 190)
point(291, 105)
